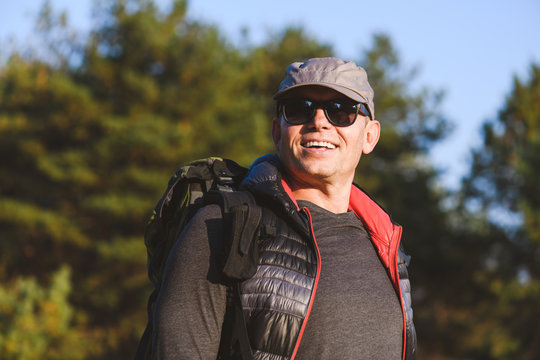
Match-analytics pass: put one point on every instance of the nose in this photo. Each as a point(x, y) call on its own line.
point(319, 119)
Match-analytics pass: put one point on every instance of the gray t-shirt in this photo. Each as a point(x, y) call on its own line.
point(356, 313)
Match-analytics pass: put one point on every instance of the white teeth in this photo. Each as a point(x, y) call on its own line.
point(320, 144)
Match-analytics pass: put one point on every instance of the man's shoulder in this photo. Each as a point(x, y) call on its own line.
point(205, 213)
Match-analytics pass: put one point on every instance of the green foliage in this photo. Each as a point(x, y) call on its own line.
point(503, 184)
point(38, 320)
point(503, 172)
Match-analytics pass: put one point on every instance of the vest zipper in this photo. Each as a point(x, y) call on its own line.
point(306, 318)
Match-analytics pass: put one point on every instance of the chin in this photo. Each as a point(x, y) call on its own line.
point(317, 171)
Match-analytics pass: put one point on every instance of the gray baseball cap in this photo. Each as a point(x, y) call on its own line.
point(343, 76)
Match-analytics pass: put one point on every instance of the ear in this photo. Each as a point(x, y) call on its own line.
point(372, 131)
point(276, 131)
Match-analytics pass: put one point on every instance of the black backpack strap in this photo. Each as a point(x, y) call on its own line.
point(234, 343)
point(243, 257)
point(241, 218)
point(239, 261)
point(240, 326)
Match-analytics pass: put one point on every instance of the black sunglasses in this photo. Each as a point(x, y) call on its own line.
point(338, 112)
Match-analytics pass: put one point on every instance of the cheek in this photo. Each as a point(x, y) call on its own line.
point(353, 137)
point(286, 135)
point(355, 144)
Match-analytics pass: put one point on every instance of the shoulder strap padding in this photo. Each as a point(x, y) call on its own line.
point(241, 218)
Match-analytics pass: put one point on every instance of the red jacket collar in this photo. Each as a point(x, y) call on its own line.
point(377, 221)
point(383, 231)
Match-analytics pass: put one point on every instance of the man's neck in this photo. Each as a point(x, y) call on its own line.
point(334, 199)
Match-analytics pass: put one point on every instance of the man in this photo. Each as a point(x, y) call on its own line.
point(331, 282)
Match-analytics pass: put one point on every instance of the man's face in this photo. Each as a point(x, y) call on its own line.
point(318, 152)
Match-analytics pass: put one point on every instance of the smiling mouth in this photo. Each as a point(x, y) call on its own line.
point(319, 145)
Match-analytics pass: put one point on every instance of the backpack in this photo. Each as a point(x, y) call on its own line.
point(206, 181)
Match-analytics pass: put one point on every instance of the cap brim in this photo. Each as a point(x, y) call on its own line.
point(341, 89)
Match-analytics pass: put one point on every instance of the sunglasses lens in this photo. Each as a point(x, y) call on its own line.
point(341, 113)
point(363, 110)
point(298, 111)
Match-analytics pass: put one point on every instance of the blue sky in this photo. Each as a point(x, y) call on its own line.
point(472, 49)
